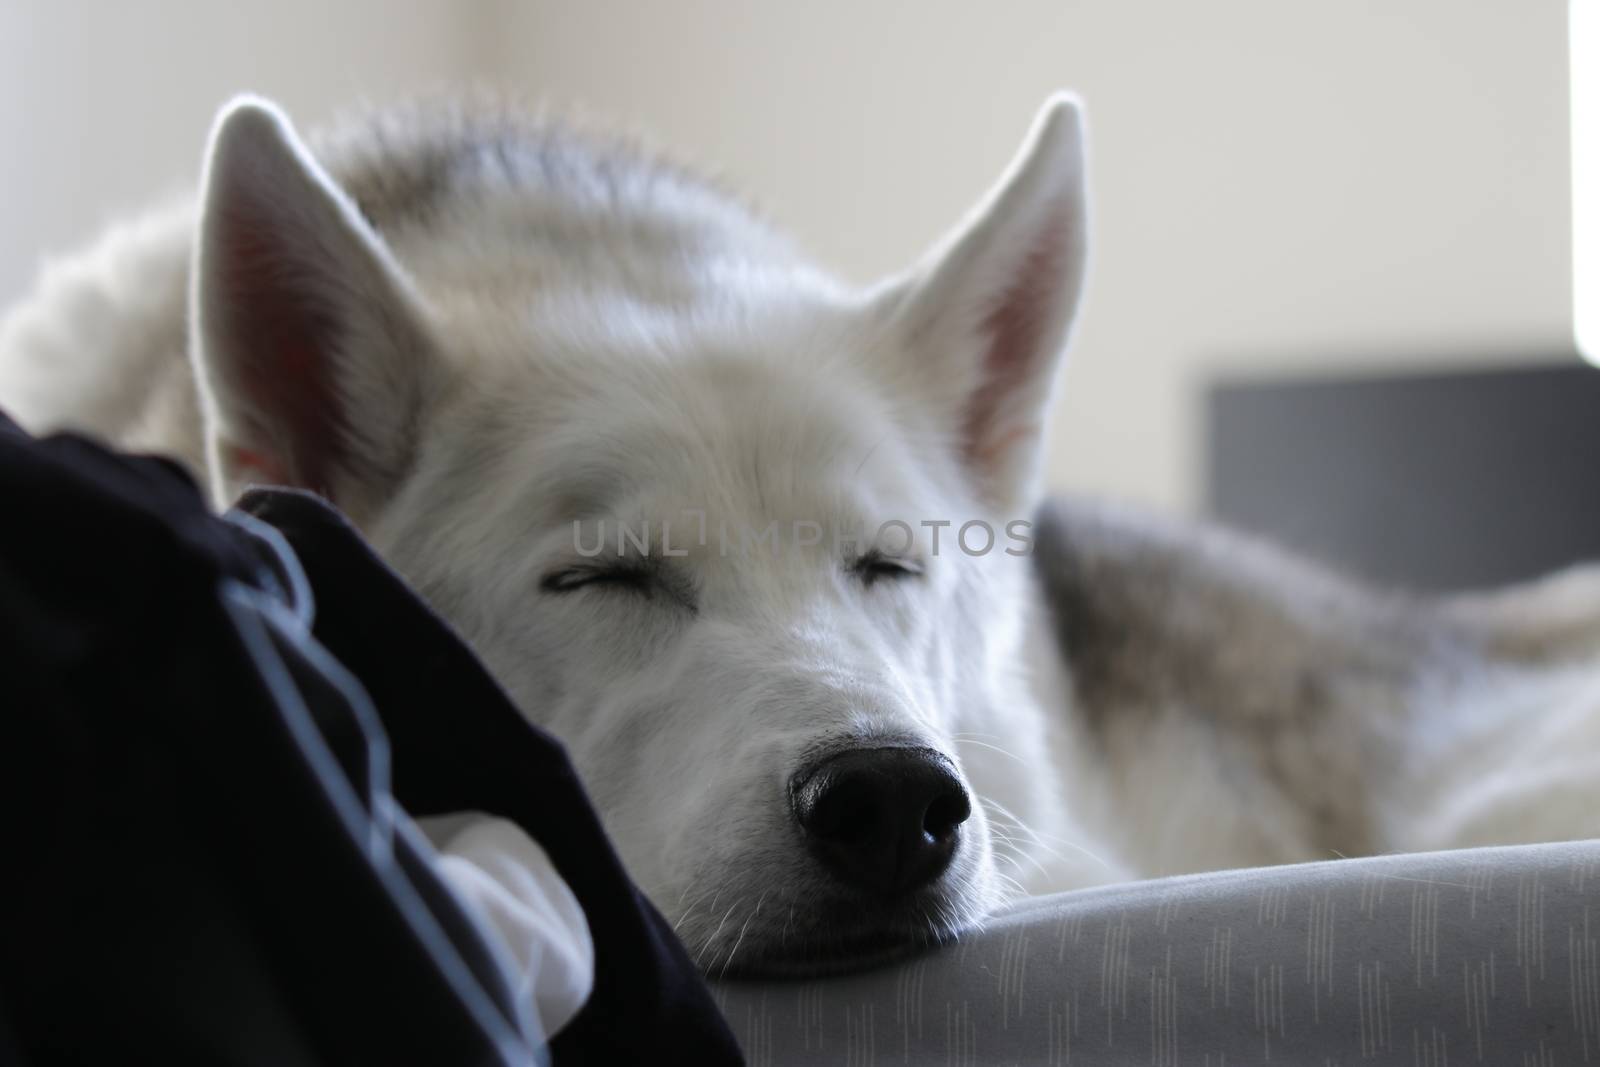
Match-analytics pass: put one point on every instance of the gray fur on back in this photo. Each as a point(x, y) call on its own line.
point(1308, 679)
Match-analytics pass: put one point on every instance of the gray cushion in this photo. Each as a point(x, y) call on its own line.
point(1477, 956)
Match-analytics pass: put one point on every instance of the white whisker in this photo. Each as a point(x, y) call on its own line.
point(1039, 838)
point(712, 939)
point(740, 939)
point(960, 740)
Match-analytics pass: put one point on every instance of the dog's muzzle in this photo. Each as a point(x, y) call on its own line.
point(885, 821)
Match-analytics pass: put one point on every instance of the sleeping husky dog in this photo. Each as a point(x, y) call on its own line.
point(769, 554)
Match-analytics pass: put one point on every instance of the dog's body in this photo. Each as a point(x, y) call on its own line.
point(521, 338)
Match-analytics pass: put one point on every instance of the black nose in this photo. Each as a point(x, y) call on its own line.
point(886, 820)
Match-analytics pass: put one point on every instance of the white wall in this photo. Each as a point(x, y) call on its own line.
point(1279, 183)
point(105, 105)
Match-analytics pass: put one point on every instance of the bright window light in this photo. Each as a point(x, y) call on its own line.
point(1583, 33)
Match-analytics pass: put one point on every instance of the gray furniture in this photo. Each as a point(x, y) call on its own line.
point(1434, 481)
point(1486, 956)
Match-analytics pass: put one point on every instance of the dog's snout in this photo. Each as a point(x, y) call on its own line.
point(885, 820)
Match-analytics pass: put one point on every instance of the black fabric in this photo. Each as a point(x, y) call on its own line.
point(206, 860)
point(460, 745)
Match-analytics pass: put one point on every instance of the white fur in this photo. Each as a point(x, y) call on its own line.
point(622, 344)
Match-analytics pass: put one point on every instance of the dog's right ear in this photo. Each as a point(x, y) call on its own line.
point(311, 348)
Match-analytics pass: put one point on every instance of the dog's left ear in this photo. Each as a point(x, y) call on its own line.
point(981, 324)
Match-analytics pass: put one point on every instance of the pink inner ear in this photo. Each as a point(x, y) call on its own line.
point(999, 412)
point(269, 468)
point(281, 359)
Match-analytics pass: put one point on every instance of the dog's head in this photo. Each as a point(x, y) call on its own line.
point(750, 545)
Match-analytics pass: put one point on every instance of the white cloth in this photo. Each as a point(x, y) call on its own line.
point(525, 908)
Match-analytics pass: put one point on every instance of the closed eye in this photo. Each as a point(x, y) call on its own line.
point(570, 579)
point(641, 581)
point(876, 566)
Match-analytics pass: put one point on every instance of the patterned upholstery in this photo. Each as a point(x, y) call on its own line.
point(1485, 956)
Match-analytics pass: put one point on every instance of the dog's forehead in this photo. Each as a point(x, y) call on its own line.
point(736, 438)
